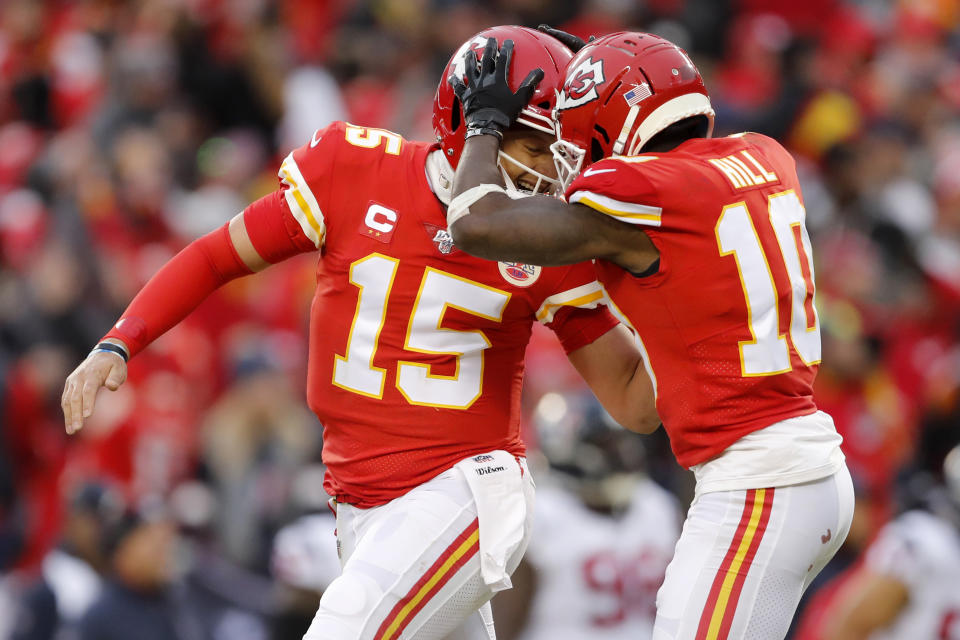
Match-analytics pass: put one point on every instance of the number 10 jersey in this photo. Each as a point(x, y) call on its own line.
point(728, 320)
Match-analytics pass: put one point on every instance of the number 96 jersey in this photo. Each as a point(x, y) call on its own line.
point(728, 319)
point(598, 574)
point(416, 348)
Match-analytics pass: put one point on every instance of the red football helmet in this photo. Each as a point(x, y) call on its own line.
point(532, 49)
point(619, 92)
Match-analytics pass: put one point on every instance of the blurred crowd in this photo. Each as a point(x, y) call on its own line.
point(130, 127)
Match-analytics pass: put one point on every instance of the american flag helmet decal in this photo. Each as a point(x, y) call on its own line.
point(638, 93)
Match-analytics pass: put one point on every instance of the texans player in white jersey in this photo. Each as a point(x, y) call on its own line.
point(603, 532)
point(908, 586)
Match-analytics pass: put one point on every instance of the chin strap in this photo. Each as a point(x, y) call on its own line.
point(440, 176)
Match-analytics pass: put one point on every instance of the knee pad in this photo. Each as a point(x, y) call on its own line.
point(344, 608)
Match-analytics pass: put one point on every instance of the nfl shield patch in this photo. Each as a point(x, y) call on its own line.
point(444, 241)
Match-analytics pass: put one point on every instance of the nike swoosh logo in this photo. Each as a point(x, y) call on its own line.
point(593, 172)
point(315, 140)
point(825, 539)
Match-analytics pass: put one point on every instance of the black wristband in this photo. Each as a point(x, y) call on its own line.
point(484, 131)
point(113, 348)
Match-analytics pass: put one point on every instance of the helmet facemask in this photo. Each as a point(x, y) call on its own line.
point(544, 184)
point(568, 159)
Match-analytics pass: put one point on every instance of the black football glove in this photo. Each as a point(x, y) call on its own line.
point(570, 41)
point(489, 105)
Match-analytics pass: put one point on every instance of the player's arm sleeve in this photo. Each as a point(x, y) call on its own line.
point(178, 288)
point(280, 225)
point(308, 177)
point(577, 327)
point(300, 198)
point(607, 357)
point(577, 315)
point(488, 223)
point(603, 188)
point(273, 230)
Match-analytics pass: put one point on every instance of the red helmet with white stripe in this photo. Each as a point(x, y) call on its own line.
point(619, 92)
point(531, 49)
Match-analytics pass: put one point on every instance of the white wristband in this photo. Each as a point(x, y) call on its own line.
point(460, 206)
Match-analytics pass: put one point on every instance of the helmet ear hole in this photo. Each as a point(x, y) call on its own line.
point(596, 146)
point(455, 115)
point(677, 133)
point(596, 150)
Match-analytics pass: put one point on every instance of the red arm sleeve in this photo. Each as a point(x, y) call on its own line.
point(176, 290)
point(204, 265)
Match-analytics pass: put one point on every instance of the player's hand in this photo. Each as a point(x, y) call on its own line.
point(489, 105)
point(570, 41)
point(100, 369)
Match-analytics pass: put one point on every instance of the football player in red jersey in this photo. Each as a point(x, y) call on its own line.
point(416, 354)
point(701, 244)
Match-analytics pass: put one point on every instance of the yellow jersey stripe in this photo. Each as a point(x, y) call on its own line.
point(628, 212)
point(301, 202)
point(548, 310)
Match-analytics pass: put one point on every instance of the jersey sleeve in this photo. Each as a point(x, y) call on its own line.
point(616, 188)
point(306, 176)
point(578, 312)
point(274, 232)
point(579, 327)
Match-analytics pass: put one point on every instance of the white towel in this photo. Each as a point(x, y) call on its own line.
point(496, 483)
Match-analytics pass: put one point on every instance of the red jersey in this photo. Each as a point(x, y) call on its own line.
point(728, 320)
point(416, 348)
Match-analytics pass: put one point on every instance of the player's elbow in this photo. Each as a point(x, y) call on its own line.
point(645, 421)
point(639, 405)
point(637, 414)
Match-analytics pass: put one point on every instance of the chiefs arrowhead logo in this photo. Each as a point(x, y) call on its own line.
point(459, 64)
point(581, 85)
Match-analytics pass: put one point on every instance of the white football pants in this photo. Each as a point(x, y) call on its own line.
point(412, 568)
point(744, 558)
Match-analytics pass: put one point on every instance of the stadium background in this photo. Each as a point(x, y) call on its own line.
point(129, 128)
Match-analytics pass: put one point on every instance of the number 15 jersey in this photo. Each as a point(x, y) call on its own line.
point(416, 348)
point(728, 320)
